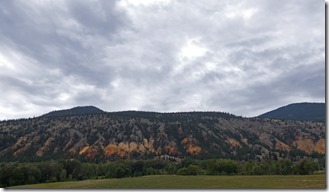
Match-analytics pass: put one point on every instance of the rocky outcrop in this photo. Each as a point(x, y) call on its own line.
point(309, 146)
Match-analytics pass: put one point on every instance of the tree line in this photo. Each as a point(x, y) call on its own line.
point(73, 170)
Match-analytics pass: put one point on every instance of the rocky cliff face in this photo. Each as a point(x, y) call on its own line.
point(142, 135)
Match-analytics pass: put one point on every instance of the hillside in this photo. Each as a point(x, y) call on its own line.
point(143, 135)
point(74, 111)
point(299, 111)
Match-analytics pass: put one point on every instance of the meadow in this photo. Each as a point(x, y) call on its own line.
point(194, 182)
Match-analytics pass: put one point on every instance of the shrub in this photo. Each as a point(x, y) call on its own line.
point(190, 170)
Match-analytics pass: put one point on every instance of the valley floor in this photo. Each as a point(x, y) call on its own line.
point(196, 182)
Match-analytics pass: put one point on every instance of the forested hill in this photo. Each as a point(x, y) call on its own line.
point(299, 111)
point(144, 135)
point(74, 111)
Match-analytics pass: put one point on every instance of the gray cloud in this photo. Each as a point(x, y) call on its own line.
point(234, 56)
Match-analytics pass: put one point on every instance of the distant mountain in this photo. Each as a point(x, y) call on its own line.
point(81, 110)
point(299, 111)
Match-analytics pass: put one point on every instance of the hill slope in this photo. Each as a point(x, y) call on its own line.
point(299, 111)
point(142, 135)
point(82, 110)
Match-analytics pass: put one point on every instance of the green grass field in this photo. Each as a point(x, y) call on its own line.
point(196, 182)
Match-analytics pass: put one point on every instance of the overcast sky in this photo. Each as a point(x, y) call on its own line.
point(236, 56)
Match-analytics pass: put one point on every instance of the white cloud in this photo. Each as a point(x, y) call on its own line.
point(248, 13)
point(143, 3)
point(236, 56)
point(192, 50)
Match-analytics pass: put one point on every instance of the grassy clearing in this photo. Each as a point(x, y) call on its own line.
point(196, 182)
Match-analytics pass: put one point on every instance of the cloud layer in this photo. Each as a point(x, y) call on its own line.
point(242, 57)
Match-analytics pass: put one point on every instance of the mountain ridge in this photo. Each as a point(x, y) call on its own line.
point(89, 109)
point(304, 111)
point(78, 110)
